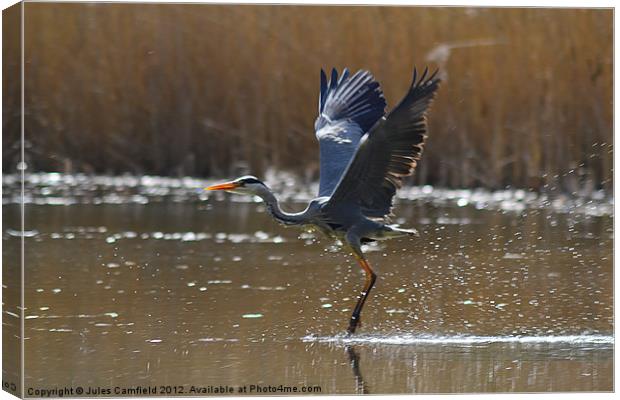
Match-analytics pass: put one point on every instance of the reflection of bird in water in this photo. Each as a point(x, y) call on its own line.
point(364, 156)
point(354, 359)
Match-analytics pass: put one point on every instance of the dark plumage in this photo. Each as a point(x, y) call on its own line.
point(348, 108)
point(389, 152)
point(364, 156)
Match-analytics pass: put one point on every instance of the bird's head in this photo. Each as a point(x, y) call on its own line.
point(248, 185)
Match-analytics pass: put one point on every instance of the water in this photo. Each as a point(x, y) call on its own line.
point(156, 284)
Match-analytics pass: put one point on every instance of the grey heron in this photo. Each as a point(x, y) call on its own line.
point(364, 156)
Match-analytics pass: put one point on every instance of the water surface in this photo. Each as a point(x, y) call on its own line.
point(169, 287)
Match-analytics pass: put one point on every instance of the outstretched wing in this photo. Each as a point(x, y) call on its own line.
point(348, 108)
point(388, 153)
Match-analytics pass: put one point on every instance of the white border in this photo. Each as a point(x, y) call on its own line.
point(475, 3)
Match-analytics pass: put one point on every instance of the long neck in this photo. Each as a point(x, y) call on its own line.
point(273, 206)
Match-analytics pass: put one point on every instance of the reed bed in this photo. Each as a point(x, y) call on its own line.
point(216, 90)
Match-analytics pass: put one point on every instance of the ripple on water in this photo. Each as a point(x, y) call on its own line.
point(602, 340)
point(267, 288)
point(211, 340)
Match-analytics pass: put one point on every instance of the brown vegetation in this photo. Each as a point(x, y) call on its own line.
point(209, 90)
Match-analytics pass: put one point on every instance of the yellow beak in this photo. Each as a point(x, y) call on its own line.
point(223, 186)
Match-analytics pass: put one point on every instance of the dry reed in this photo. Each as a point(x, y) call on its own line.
point(210, 90)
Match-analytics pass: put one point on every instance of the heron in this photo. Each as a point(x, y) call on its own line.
point(365, 153)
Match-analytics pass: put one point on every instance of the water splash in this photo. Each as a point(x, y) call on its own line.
point(463, 339)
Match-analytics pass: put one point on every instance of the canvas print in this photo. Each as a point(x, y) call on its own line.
point(207, 200)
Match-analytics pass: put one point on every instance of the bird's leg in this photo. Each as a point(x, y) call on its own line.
point(371, 277)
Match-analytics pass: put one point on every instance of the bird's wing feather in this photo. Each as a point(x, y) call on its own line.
point(348, 108)
point(388, 153)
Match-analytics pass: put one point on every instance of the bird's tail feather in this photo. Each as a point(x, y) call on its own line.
point(394, 232)
point(409, 231)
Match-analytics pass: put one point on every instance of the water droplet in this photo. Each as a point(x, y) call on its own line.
point(252, 316)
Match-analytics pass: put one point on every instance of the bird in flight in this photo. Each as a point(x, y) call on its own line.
point(364, 156)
